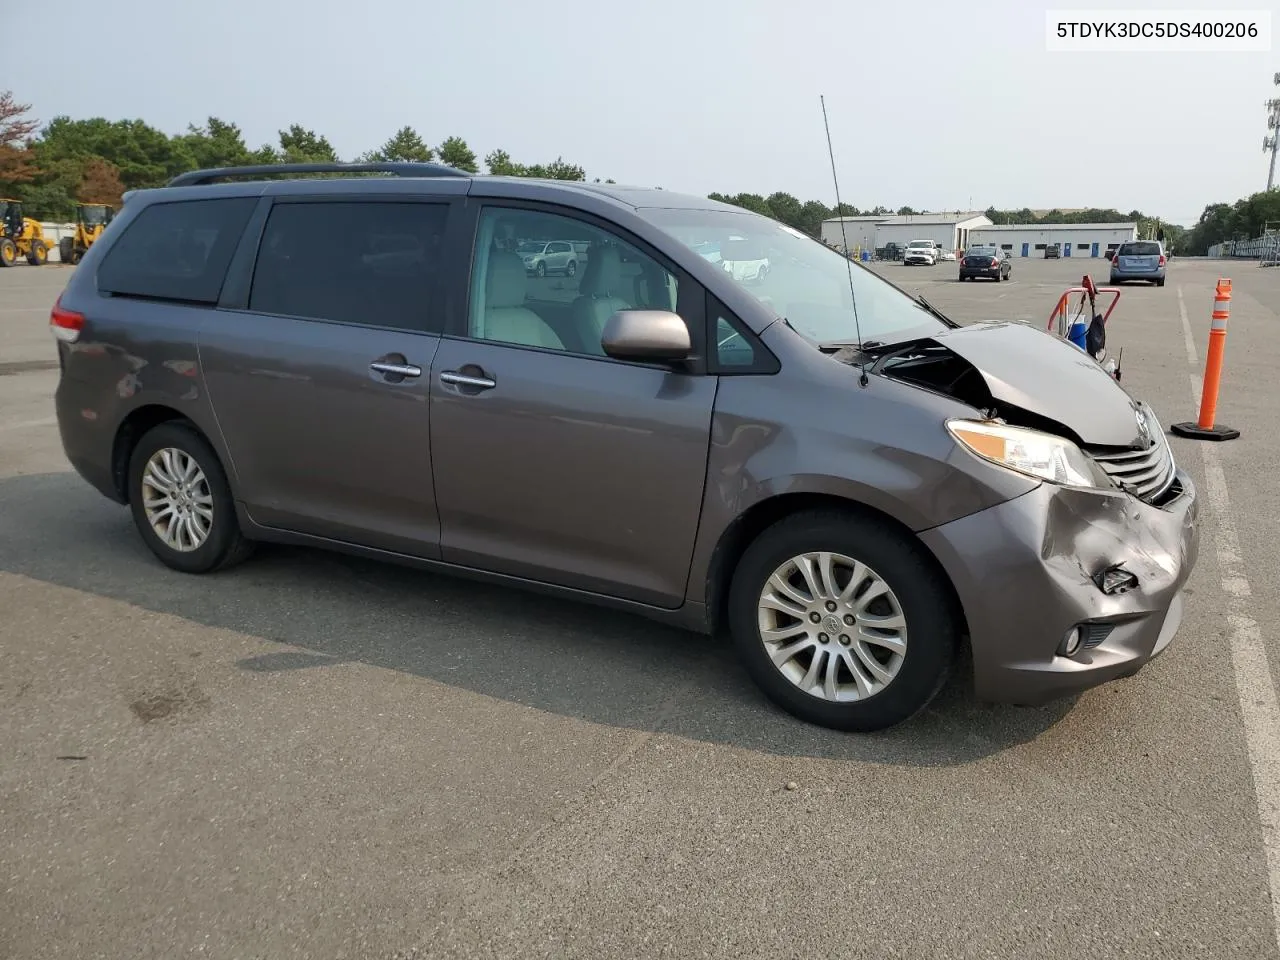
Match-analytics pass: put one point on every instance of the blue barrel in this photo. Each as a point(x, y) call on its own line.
point(1078, 333)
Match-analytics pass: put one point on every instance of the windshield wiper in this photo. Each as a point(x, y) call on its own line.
point(934, 310)
point(835, 346)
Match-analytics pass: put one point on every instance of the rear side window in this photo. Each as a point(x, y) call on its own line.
point(370, 263)
point(176, 251)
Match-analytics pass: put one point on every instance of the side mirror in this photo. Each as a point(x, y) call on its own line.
point(655, 335)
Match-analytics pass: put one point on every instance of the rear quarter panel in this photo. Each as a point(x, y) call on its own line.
point(131, 354)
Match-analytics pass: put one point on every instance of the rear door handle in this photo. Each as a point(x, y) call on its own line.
point(464, 380)
point(396, 369)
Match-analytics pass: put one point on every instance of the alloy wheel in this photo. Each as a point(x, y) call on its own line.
point(177, 499)
point(832, 626)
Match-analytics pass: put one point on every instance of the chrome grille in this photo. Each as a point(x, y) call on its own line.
point(1147, 474)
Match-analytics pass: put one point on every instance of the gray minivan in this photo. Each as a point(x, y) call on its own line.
point(849, 484)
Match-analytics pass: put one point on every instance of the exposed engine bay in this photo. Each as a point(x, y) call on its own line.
point(933, 366)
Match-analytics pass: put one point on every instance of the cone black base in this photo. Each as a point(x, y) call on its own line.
point(1192, 431)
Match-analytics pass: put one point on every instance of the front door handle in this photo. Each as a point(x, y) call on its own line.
point(396, 369)
point(465, 380)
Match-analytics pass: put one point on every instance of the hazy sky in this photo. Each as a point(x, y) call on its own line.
point(933, 103)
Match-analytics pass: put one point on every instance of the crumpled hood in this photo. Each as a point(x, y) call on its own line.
point(1045, 375)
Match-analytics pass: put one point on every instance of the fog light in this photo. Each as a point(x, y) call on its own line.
point(1070, 645)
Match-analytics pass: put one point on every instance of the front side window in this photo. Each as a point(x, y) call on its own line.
point(177, 251)
point(368, 263)
point(517, 297)
point(798, 277)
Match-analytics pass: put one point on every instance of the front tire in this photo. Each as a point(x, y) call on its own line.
point(182, 503)
point(843, 621)
point(8, 252)
point(39, 254)
point(540, 271)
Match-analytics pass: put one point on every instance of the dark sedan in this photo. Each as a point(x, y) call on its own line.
point(986, 262)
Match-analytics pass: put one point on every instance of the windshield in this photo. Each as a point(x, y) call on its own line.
point(980, 252)
point(94, 215)
point(805, 281)
point(530, 246)
point(920, 243)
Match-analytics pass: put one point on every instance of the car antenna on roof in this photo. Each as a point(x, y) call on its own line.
point(857, 328)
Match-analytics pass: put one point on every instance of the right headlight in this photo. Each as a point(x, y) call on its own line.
point(1031, 452)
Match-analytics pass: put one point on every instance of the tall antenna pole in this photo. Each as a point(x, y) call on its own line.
point(1273, 142)
point(848, 264)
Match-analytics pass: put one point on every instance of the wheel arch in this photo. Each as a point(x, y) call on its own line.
point(132, 429)
point(765, 513)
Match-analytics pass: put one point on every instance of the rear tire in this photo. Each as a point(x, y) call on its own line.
point(66, 247)
point(913, 592)
point(1159, 283)
point(193, 527)
point(572, 269)
point(8, 252)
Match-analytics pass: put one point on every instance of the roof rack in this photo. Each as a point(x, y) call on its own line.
point(203, 177)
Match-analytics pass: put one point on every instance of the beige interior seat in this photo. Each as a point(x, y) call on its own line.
point(600, 298)
point(506, 318)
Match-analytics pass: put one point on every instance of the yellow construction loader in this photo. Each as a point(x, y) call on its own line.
point(20, 236)
point(91, 220)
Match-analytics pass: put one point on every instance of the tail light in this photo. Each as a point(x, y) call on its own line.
point(964, 262)
point(65, 324)
point(995, 261)
point(1162, 259)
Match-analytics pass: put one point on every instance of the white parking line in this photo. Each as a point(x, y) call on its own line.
point(1254, 685)
point(1192, 357)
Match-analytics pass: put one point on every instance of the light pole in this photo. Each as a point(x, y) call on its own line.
point(1273, 141)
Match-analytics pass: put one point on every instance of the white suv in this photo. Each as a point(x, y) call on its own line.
point(921, 251)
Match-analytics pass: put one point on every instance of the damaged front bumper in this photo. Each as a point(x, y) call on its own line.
point(1030, 571)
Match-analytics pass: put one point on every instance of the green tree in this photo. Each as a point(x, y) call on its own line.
point(217, 144)
point(300, 145)
point(557, 169)
point(144, 156)
point(784, 208)
point(405, 146)
point(812, 213)
point(500, 164)
point(455, 153)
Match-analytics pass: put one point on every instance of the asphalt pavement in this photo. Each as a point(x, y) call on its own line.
point(312, 756)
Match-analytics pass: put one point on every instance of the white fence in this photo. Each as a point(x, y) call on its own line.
point(1262, 248)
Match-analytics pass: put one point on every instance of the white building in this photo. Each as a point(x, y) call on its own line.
point(1073, 239)
point(951, 231)
point(859, 232)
